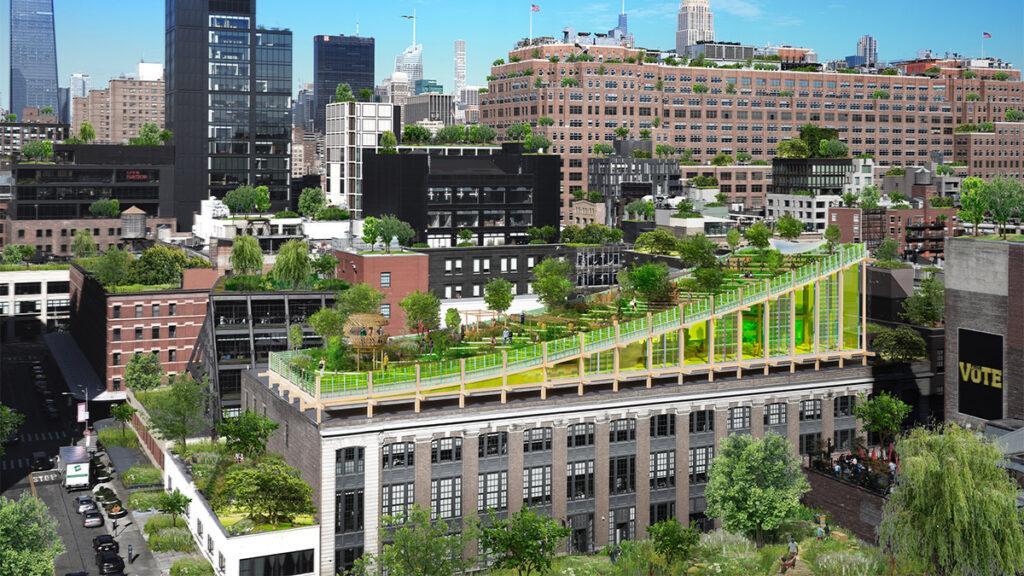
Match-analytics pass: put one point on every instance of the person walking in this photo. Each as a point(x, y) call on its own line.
point(793, 548)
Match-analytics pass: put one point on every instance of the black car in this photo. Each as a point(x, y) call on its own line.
point(40, 461)
point(105, 543)
point(109, 562)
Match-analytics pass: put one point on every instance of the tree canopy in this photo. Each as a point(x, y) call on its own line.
point(10, 421)
point(143, 372)
point(358, 299)
point(650, 280)
point(525, 542)
point(882, 414)
point(421, 307)
point(248, 200)
point(105, 208)
point(181, 412)
point(420, 546)
point(927, 305)
point(151, 135)
point(246, 255)
point(657, 241)
point(268, 490)
point(973, 202)
point(311, 201)
point(83, 245)
point(343, 93)
point(292, 266)
point(789, 227)
point(591, 234)
point(247, 433)
point(29, 541)
point(552, 282)
point(498, 295)
point(899, 345)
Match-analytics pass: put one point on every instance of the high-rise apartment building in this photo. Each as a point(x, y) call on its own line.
point(460, 68)
point(339, 60)
point(229, 87)
point(867, 48)
point(119, 112)
point(696, 24)
point(33, 73)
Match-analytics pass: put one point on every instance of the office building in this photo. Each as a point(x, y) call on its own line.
point(14, 135)
point(428, 86)
point(396, 89)
point(32, 300)
point(352, 129)
point(621, 178)
point(303, 108)
point(305, 160)
point(119, 112)
point(460, 68)
point(429, 108)
point(867, 48)
point(497, 196)
point(410, 63)
point(695, 24)
point(721, 52)
point(224, 137)
point(79, 85)
point(340, 60)
point(991, 154)
point(395, 275)
point(33, 73)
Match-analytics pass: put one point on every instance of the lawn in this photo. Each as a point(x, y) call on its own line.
point(142, 476)
point(230, 517)
point(114, 436)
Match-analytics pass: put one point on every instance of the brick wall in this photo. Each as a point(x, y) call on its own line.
point(853, 508)
point(404, 273)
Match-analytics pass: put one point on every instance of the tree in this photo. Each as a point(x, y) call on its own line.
point(954, 511)
point(649, 280)
point(151, 135)
point(926, 306)
point(329, 322)
point(38, 150)
point(466, 237)
point(722, 159)
point(552, 283)
point(105, 208)
point(498, 295)
point(268, 490)
point(622, 132)
point(415, 134)
point(450, 134)
point(181, 412)
point(640, 210)
point(709, 278)
point(899, 345)
point(546, 234)
point(1014, 115)
point(645, 134)
point(870, 196)
point(421, 307)
point(479, 134)
point(814, 135)
point(658, 241)
point(390, 228)
point(882, 414)
point(794, 148)
point(248, 199)
point(123, 413)
point(247, 433)
point(29, 541)
point(365, 95)
point(887, 250)
point(758, 235)
point(1005, 197)
point(86, 133)
point(18, 253)
point(673, 540)
point(82, 245)
point(733, 239)
point(343, 93)
point(973, 201)
point(832, 236)
point(525, 542)
point(536, 143)
point(325, 265)
point(371, 229)
point(660, 150)
point(358, 299)
point(10, 421)
point(246, 255)
point(833, 148)
point(545, 121)
point(419, 547)
point(114, 267)
point(311, 201)
point(388, 143)
point(850, 200)
point(755, 485)
point(453, 320)
point(789, 227)
point(174, 503)
point(143, 372)
point(296, 337)
point(292, 266)
point(160, 265)
point(697, 251)
point(518, 132)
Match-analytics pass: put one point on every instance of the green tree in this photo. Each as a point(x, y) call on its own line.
point(850, 200)
point(160, 265)
point(358, 299)
point(661, 150)
point(415, 134)
point(525, 542)
point(755, 485)
point(390, 228)
point(641, 557)
point(388, 143)
point(833, 148)
point(453, 320)
point(292, 266)
point(174, 503)
point(722, 159)
point(371, 230)
point(268, 490)
point(82, 245)
point(10, 421)
point(758, 235)
point(518, 132)
point(882, 414)
point(697, 251)
point(657, 241)
point(420, 547)
point(466, 237)
point(151, 135)
point(1014, 115)
point(640, 210)
point(29, 541)
point(622, 132)
point(247, 433)
point(38, 150)
point(832, 236)
point(143, 372)
point(709, 278)
point(899, 345)
point(552, 282)
point(296, 337)
point(343, 93)
point(181, 412)
point(536, 143)
point(814, 135)
point(733, 239)
point(246, 255)
point(114, 268)
point(105, 208)
point(450, 134)
point(365, 95)
point(674, 541)
point(421, 307)
point(794, 148)
point(789, 227)
point(479, 134)
point(329, 322)
point(887, 250)
point(650, 280)
point(645, 134)
point(86, 133)
point(927, 305)
point(1005, 197)
point(954, 511)
point(498, 295)
point(18, 253)
point(744, 157)
point(546, 234)
point(248, 199)
point(123, 413)
point(325, 265)
point(870, 196)
point(973, 202)
point(545, 121)
point(311, 201)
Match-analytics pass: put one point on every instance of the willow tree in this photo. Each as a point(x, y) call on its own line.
point(292, 266)
point(954, 510)
point(246, 255)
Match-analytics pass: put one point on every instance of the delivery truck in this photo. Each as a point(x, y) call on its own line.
point(74, 467)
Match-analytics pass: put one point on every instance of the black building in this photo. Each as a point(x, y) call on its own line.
point(339, 60)
point(80, 174)
point(819, 176)
point(497, 197)
point(622, 178)
point(228, 102)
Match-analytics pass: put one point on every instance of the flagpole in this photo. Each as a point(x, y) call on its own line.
point(531, 24)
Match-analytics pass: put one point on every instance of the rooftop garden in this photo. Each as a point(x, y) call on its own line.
point(120, 272)
point(246, 202)
point(294, 269)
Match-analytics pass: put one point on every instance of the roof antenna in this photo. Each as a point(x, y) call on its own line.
point(357, 26)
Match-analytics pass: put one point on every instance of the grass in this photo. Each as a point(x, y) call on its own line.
point(144, 499)
point(160, 522)
point(113, 436)
point(595, 565)
point(141, 476)
point(148, 398)
point(229, 517)
point(1008, 238)
point(24, 267)
point(133, 288)
point(172, 540)
point(191, 566)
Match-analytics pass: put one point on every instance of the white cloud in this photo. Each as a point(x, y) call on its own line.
point(742, 8)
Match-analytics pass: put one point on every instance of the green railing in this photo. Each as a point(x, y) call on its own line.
point(398, 379)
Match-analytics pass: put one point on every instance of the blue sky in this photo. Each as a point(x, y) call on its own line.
point(105, 38)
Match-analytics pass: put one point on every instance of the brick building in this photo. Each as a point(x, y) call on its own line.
point(919, 231)
point(54, 237)
point(14, 135)
point(396, 275)
point(118, 112)
point(991, 154)
point(908, 121)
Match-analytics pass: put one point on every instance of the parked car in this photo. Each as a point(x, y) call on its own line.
point(41, 461)
point(105, 543)
point(85, 504)
point(92, 519)
point(109, 562)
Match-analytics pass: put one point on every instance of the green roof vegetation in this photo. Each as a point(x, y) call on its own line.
point(30, 267)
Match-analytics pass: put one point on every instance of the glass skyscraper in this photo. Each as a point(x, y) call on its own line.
point(339, 60)
point(33, 56)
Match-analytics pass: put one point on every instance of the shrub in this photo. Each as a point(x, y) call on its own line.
point(114, 437)
point(144, 499)
point(141, 476)
point(847, 563)
point(332, 213)
point(160, 522)
point(243, 526)
point(171, 540)
point(287, 214)
point(244, 283)
point(191, 567)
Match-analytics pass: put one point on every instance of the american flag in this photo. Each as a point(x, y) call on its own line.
point(986, 35)
point(534, 8)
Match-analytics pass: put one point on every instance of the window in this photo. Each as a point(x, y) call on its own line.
point(138, 332)
point(345, 559)
point(138, 310)
point(445, 450)
point(739, 418)
point(810, 410)
point(172, 355)
point(810, 443)
point(579, 480)
point(172, 331)
point(662, 511)
point(536, 440)
point(622, 475)
point(398, 455)
point(349, 460)
point(702, 421)
point(580, 435)
point(844, 439)
point(156, 310)
point(396, 499)
point(663, 469)
point(172, 309)
point(492, 491)
point(700, 461)
point(493, 444)
point(663, 425)
point(117, 335)
point(385, 310)
point(622, 430)
point(537, 486)
point(775, 414)
point(22, 288)
point(117, 383)
point(385, 279)
point(622, 525)
point(446, 498)
point(156, 332)
point(117, 312)
point(844, 406)
point(349, 511)
point(284, 564)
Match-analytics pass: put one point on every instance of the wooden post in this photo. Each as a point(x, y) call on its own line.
point(544, 360)
point(712, 326)
point(462, 382)
point(650, 349)
point(739, 343)
point(682, 351)
point(616, 357)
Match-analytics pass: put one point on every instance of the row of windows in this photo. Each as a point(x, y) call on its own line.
point(154, 332)
point(155, 310)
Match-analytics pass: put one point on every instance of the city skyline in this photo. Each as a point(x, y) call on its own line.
point(103, 44)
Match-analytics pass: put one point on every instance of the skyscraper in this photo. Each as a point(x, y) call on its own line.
point(33, 56)
point(340, 60)
point(229, 87)
point(79, 85)
point(460, 66)
point(410, 61)
point(696, 24)
point(303, 108)
point(867, 48)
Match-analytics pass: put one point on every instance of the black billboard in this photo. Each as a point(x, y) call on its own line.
point(980, 374)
